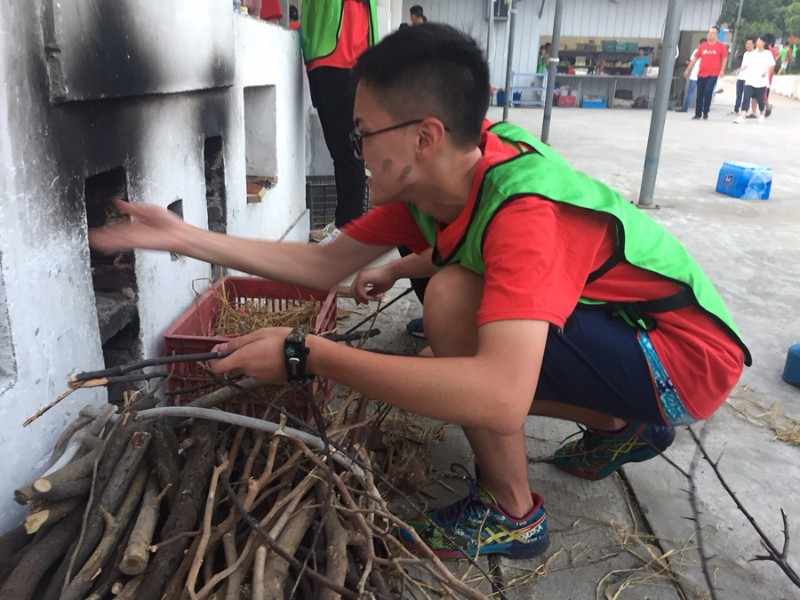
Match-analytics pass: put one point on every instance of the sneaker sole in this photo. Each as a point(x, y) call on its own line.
point(529, 550)
point(646, 454)
point(641, 455)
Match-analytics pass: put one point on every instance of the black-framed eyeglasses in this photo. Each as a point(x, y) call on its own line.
point(356, 136)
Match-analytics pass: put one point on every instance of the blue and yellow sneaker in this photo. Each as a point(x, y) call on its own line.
point(597, 454)
point(477, 525)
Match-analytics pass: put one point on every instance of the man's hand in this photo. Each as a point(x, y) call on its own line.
point(150, 227)
point(258, 354)
point(371, 283)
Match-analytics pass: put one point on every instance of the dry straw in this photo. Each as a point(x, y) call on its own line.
point(239, 317)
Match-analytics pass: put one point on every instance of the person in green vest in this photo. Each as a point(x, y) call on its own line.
point(334, 34)
point(544, 58)
point(549, 294)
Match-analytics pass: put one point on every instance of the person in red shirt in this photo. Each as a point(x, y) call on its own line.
point(271, 11)
point(712, 55)
point(545, 290)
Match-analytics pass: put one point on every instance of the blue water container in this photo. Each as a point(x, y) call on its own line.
point(516, 98)
point(745, 180)
point(791, 372)
point(501, 97)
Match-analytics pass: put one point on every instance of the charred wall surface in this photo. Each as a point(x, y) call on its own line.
point(100, 100)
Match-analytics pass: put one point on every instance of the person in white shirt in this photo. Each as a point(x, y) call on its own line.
point(692, 80)
point(756, 79)
point(741, 73)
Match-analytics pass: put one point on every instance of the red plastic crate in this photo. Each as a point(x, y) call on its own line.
point(190, 333)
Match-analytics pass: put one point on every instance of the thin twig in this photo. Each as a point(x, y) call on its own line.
point(774, 555)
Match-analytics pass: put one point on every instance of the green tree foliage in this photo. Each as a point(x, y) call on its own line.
point(792, 17)
point(778, 17)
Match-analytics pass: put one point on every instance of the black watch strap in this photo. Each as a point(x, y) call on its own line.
point(294, 355)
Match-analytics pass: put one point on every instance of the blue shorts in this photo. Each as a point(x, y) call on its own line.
point(600, 362)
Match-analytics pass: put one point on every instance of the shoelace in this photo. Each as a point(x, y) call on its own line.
point(472, 502)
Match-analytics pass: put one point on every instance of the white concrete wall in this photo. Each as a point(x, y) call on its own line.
point(48, 320)
point(786, 85)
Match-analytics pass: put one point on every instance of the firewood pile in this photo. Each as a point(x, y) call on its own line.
point(194, 502)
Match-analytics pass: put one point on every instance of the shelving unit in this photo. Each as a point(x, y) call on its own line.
point(535, 92)
point(593, 57)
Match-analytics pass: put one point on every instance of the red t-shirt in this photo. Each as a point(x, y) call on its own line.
point(538, 255)
point(271, 9)
point(711, 57)
point(775, 56)
point(353, 39)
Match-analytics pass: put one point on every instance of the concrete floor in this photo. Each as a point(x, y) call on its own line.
point(632, 536)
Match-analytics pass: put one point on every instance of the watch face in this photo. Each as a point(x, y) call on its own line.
point(291, 351)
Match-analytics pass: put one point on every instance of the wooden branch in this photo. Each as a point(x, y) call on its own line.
point(253, 523)
point(63, 491)
point(221, 395)
point(175, 588)
point(39, 557)
point(95, 417)
point(12, 541)
point(234, 582)
point(185, 513)
point(78, 469)
point(111, 580)
point(115, 527)
point(336, 542)
point(206, 529)
point(50, 515)
point(76, 380)
point(277, 568)
point(104, 381)
point(117, 468)
point(137, 551)
point(258, 574)
point(129, 591)
point(165, 458)
point(44, 409)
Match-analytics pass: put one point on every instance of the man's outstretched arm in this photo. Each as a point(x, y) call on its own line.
point(155, 228)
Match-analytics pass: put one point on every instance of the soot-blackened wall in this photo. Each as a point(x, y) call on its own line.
point(98, 99)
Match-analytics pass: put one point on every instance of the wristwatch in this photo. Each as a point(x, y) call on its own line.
point(294, 355)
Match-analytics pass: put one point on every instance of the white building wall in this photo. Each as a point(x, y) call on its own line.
point(155, 130)
point(600, 19)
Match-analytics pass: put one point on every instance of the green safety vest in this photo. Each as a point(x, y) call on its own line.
point(540, 171)
point(322, 25)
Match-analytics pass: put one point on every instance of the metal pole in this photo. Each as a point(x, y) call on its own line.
point(490, 37)
point(512, 13)
point(733, 41)
point(552, 69)
point(665, 71)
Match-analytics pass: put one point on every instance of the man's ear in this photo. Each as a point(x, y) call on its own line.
point(431, 137)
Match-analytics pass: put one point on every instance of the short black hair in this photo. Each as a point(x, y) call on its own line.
point(769, 39)
point(293, 14)
point(416, 10)
point(436, 71)
point(715, 27)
